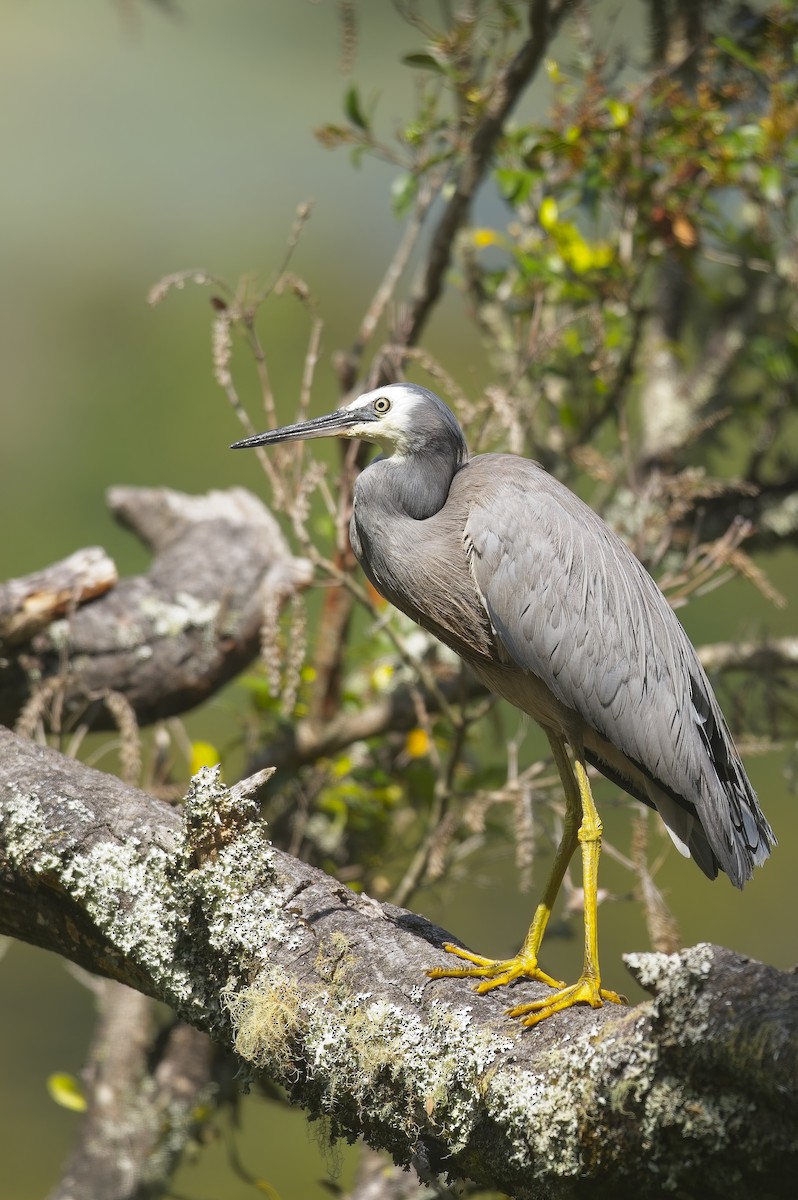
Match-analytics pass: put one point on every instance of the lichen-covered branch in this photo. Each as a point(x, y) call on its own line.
point(695, 1090)
point(167, 640)
point(143, 1093)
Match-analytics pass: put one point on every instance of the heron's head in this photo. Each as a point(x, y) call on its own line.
point(403, 418)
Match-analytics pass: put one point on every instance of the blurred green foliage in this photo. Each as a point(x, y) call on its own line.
point(133, 155)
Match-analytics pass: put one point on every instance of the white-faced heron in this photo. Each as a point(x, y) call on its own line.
point(554, 613)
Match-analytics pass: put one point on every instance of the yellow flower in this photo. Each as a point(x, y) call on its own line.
point(417, 743)
point(486, 237)
point(203, 754)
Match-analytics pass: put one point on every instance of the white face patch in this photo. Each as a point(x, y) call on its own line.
point(391, 428)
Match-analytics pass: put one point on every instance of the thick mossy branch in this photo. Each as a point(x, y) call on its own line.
point(694, 1091)
point(166, 640)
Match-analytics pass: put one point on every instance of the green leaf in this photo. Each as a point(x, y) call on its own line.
point(423, 62)
point(771, 181)
point(353, 110)
point(514, 185)
point(403, 193)
point(730, 47)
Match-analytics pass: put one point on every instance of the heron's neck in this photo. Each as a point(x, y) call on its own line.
point(412, 485)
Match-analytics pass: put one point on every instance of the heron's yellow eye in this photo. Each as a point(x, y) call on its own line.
point(382, 404)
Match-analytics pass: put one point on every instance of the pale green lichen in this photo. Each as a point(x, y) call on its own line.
point(359, 1052)
point(59, 634)
point(781, 518)
point(267, 1020)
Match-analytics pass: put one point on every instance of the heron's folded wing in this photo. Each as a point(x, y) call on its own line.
point(571, 603)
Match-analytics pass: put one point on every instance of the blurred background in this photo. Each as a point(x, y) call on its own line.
point(141, 139)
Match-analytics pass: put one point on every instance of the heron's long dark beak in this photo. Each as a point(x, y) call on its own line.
point(335, 424)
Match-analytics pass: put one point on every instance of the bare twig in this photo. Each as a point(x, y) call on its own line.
point(509, 85)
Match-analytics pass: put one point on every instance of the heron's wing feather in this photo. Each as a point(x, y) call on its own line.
point(571, 604)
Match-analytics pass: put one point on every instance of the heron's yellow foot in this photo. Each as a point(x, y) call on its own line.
point(493, 972)
point(584, 991)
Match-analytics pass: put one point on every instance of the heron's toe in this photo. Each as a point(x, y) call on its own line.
point(492, 972)
point(584, 991)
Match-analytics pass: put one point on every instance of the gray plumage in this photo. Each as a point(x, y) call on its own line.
point(552, 610)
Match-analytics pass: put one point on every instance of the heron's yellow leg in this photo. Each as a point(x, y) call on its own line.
point(497, 972)
point(587, 989)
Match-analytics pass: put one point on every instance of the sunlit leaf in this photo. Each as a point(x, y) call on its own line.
point(771, 181)
point(486, 237)
point(548, 214)
point(729, 47)
point(66, 1090)
point(620, 113)
point(553, 71)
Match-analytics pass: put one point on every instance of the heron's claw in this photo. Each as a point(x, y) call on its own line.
point(493, 972)
point(584, 991)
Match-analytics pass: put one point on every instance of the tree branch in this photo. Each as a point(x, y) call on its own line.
point(762, 658)
point(306, 741)
point(326, 991)
point(544, 20)
point(31, 603)
point(142, 1099)
point(168, 639)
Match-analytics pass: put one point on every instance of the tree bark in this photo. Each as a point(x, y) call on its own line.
point(143, 1094)
point(168, 639)
point(693, 1091)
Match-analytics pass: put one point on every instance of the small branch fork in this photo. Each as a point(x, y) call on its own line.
point(161, 642)
point(544, 20)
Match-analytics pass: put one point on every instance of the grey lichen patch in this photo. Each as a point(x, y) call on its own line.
point(75, 806)
point(130, 897)
point(541, 1111)
point(568, 1116)
point(31, 845)
point(658, 972)
point(676, 981)
point(243, 905)
point(126, 893)
point(370, 1048)
point(230, 864)
point(170, 619)
point(213, 815)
